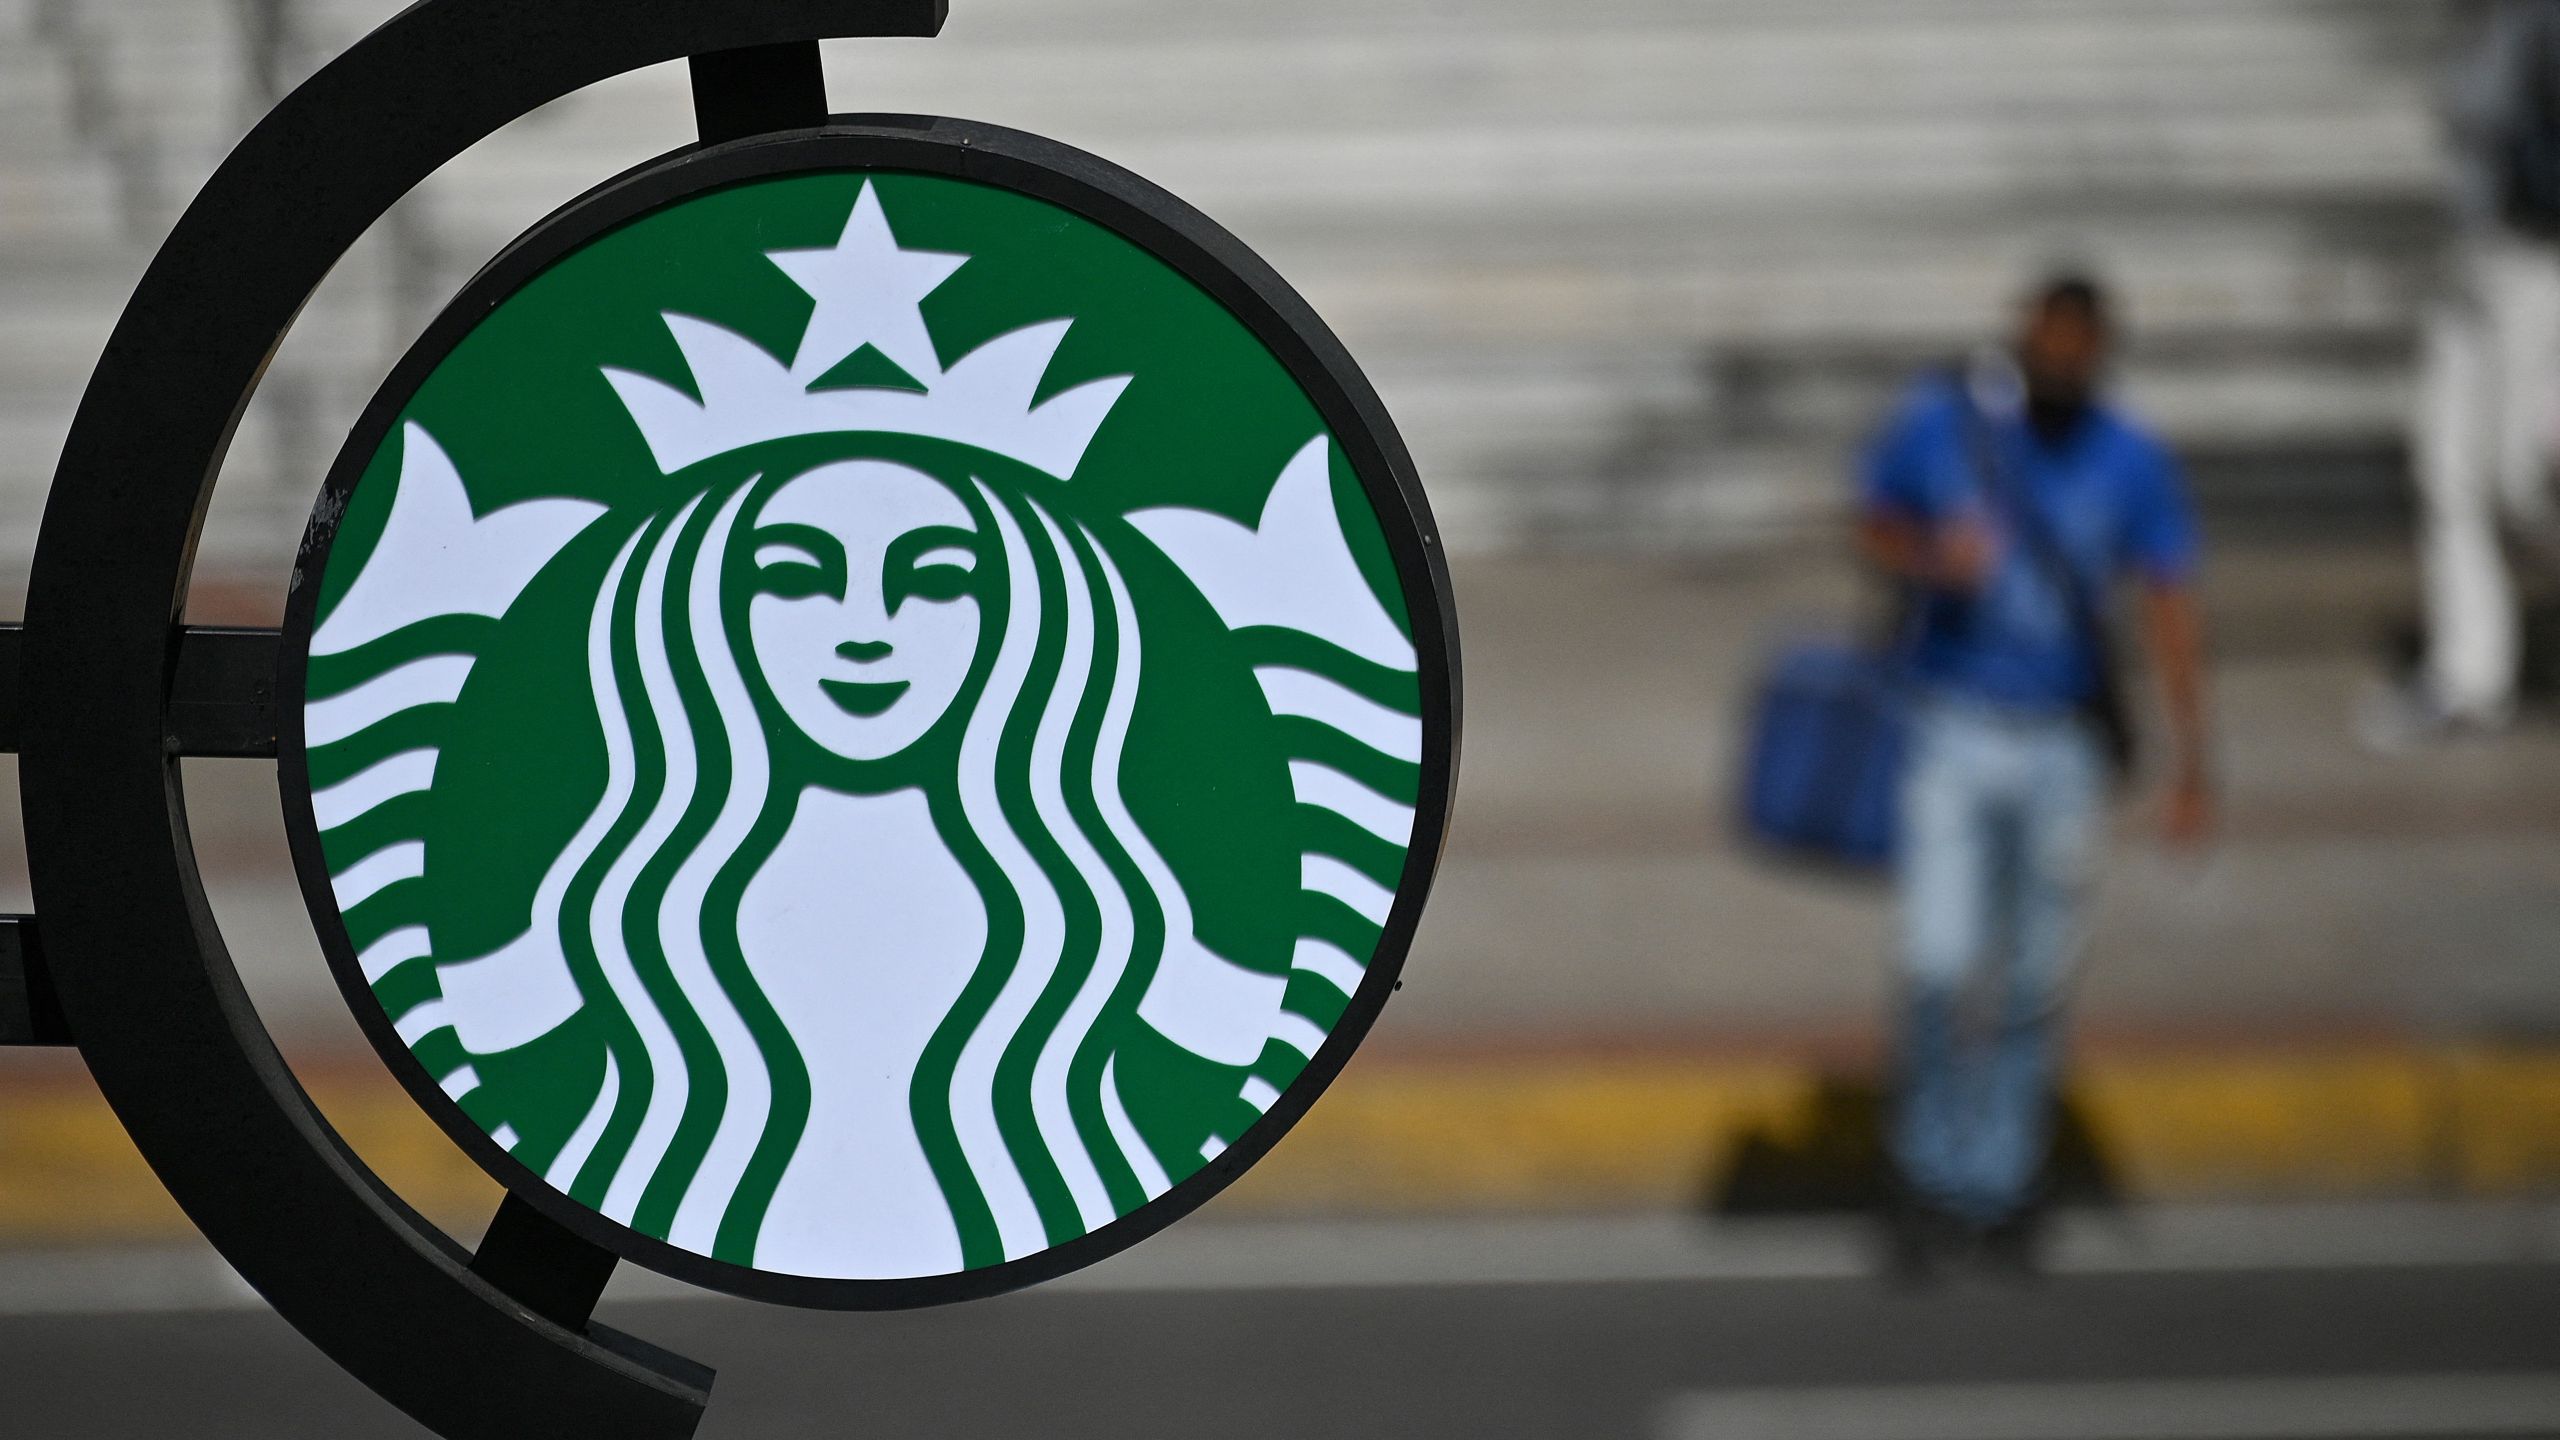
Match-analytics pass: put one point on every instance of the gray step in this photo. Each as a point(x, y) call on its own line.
point(1541, 227)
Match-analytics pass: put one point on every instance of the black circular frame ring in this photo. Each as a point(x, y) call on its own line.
point(1194, 247)
point(139, 966)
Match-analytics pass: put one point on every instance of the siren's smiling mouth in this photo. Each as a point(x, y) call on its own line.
point(863, 699)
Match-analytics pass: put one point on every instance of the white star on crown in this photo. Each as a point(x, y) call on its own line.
point(868, 292)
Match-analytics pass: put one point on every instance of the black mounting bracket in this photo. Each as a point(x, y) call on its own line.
point(222, 692)
point(104, 689)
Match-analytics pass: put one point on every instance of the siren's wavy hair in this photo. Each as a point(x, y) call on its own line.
point(704, 1094)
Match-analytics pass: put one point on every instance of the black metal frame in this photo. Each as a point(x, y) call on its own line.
point(132, 957)
point(1196, 248)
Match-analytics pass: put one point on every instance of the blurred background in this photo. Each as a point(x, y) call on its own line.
point(1637, 278)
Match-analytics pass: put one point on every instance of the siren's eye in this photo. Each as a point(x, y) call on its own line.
point(796, 561)
point(938, 562)
point(783, 555)
point(942, 573)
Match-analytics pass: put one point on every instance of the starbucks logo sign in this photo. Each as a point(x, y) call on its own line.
point(870, 715)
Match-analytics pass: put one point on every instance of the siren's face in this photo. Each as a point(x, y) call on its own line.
point(865, 619)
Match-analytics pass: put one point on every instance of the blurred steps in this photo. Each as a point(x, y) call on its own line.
point(1552, 235)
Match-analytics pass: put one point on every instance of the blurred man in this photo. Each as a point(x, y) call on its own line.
point(2012, 500)
point(2489, 376)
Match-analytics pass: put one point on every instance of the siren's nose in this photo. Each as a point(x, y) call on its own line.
point(865, 651)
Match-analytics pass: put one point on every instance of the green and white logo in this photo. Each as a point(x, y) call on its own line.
point(860, 725)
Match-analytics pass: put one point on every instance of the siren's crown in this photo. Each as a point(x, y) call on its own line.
point(868, 291)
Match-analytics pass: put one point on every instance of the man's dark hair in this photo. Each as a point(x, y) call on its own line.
point(2071, 290)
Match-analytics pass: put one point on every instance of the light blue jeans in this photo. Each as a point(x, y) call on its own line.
point(2001, 815)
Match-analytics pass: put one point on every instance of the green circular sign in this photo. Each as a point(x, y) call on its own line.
point(860, 724)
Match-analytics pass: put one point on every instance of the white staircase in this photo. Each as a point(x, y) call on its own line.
point(1633, 271)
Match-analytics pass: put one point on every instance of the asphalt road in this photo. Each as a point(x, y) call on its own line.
point(2210, 1352)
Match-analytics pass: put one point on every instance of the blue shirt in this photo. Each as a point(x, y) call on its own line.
point(2108, 493)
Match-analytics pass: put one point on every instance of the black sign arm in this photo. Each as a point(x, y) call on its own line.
point(222, 692)
point(221, 703)
point(137, 966)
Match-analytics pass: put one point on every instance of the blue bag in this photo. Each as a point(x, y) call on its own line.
point(1824, 764)
point(1829, 724)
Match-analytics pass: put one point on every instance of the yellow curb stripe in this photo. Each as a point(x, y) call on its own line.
point(1577, 1132)
point(1571, 1132)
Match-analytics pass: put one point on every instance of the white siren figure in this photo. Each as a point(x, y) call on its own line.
point(806, 841)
